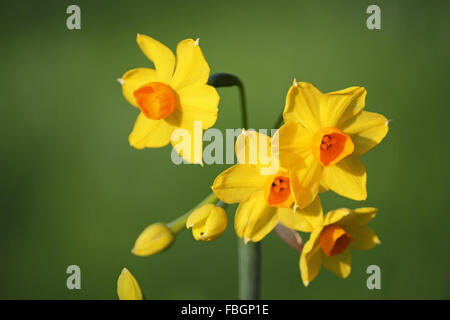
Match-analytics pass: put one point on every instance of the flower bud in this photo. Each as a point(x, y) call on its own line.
point(207, 222)
point(127, 286)
point(155, 238)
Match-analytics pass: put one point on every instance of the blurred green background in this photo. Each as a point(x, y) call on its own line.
point(74, 192)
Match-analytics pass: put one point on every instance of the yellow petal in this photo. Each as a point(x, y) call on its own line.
point(347, 178)
point(191, 65)
point(197, 102)
point(155, 238)
point(305, 181)
point(149, 133)
point(339, 106)
point(216, 224)
point(187, 141)
point(254, 219)
point(238, 183)
point(335, 216)
point(302, 105)
point(199, 214)
point(340, 264)
point(127, 286)
point(364, 238)
point(311, 258)
point(305, 220)
point(366, 130)
point(294, 141)
point(255, 148)
point(134, 79)
point(161, 56)
point(359, 217)
point(208, 222)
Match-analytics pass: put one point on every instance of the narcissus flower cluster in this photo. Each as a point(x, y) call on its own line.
point(316, 150)
point(319, 145)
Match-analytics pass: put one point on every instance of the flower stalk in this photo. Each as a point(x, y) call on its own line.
point(249, 270)
point(249, 254)
point(218, 80)
point(180, 223)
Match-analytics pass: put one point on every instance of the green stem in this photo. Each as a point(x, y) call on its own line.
point(218, 80)
point(249, 255)
point(249, 270)
point(180, 223)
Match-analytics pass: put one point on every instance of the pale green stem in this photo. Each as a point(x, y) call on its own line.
point(249, 270)
point(249, 255)
point(179, 223)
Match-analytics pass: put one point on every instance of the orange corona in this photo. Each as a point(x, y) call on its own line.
point(156, 100)
point(334, 240)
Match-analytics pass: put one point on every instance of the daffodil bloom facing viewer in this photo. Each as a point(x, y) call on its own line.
point(331, 238)
point(173, 95)
point(261, 197)
point(323, 137)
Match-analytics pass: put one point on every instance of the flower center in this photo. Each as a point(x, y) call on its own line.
point(278, 192)
point(330, 145)
point(334, 240)
point(156, 100)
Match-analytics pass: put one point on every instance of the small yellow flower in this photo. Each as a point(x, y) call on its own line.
point(323, 137)
point(207, 222)
point(173, 95)
point(155, 238)
point(331, 238)
point(127, 286)
point(261, 197)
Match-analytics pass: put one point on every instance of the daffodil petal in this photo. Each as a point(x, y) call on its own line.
point(238, 183)
point(134, 79)
point(339, 264)
point(305, 220)
point(311, 258)
point(364, 238)
point(254, 148)
point(216, 224)
point(155, 238)
point(359, 217)
point(347, 178)
point(339, 106)
point(294, 140)
point(197, 230)
point(305, 181)
point(188, 141)
point(335, 216)
point(302, 105)
point(150, 133)
point(199, 215)
point(127, 286)
point(191, 65)
point(254, 219)
point(161, 56)
point(197, 102)
point(366, 130)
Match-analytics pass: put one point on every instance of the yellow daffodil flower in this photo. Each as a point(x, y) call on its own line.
point(207, 222)
point(261, 197)
point(127, 286)
point(155, 238)
point(331, 238)
point(173, 95)
point(323, 136)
